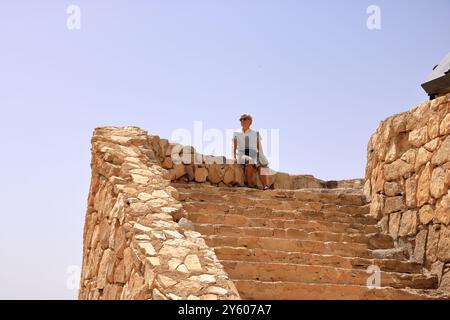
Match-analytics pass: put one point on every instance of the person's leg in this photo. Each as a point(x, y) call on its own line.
point(249, 174)
point(263, 177)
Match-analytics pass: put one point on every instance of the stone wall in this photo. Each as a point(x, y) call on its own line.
point(407, 180)
point(185, 164)
point(133, 248)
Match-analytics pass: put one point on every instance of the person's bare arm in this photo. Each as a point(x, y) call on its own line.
point(234, 147)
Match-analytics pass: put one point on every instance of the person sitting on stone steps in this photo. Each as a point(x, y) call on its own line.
point(247, 143)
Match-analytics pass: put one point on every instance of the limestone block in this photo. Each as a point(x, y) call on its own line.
point(215, 173)
point(443, 209)
point(394, 224)
point(444, 128)
point(392, 189)
point(392, 204)
point(443, 251)
point(418, 137)
point(410, 191)
point(423, 156)
point(426, 214)
point(419, 248)
point(442, 154)
point(408, 223)
point(397, 169)
point(192, 262)
point(423, 186)
point(432, 244)
point(433, 126)
point(201, 173)
point(439, 182)
point(432, 145)
point(229, 175)
point(377, 206)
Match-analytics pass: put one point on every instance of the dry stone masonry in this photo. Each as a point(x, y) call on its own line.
point(407, 180)
point(133, 249)
point(164, 222)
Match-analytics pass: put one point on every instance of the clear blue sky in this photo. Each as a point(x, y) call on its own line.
point(310, 69)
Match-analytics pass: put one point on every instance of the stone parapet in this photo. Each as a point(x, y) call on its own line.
point(407, 180)
point(132, 246)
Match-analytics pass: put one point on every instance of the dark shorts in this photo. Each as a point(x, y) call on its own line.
point(249, 156)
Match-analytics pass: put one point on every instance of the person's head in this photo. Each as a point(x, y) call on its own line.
point(246, 120)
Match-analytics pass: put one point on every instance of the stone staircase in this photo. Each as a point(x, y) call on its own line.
point(302, 244)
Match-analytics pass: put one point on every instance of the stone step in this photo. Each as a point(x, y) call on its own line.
point(345, 249)
point(307, 225)
point(374, 241)
point(274, 271)
point(260, 290)
point(332, 196)
point(285, 204)
point(267, 212)
point(265, 255)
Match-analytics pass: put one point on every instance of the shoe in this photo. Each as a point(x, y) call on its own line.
point(266, 187)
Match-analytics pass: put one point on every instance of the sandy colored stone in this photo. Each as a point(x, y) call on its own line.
point(175, 252)
point(433, 126)
point(443, 252)
point(119, 273)
point(215, 173)
point(392, 189)
point(228, 176)
point(419, 248)
point(418, 137)
point(206, 278)
point(141, 227)
point(384, 224)
point(397, 169)
point(423, 186)
point(166, 281)
point(408, 223)
point(154, 261)
point(192, 262)
point(146, 248)
point(423, 156)
point(392, 204)
point(112, 292)
point(439, 182)
point(426, 214)
point(139, 179)
point(145, 196)
point(444, 128)
point(167, 163)
point(442, 154)
point(159, 194)
point(173, 234)
point(437, 268)
point(178, 170)
point(432, 145)
point(377, 206)
point(443, 209)
point(138, 289)
point(157, 295)
point(394, 224)
point(410, 192)
point(182, 268)
point(105, 270)
point(217, 291)
point(432, 243)
point(201, 173)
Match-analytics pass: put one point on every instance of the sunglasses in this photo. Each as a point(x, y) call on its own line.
point(243, 119)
